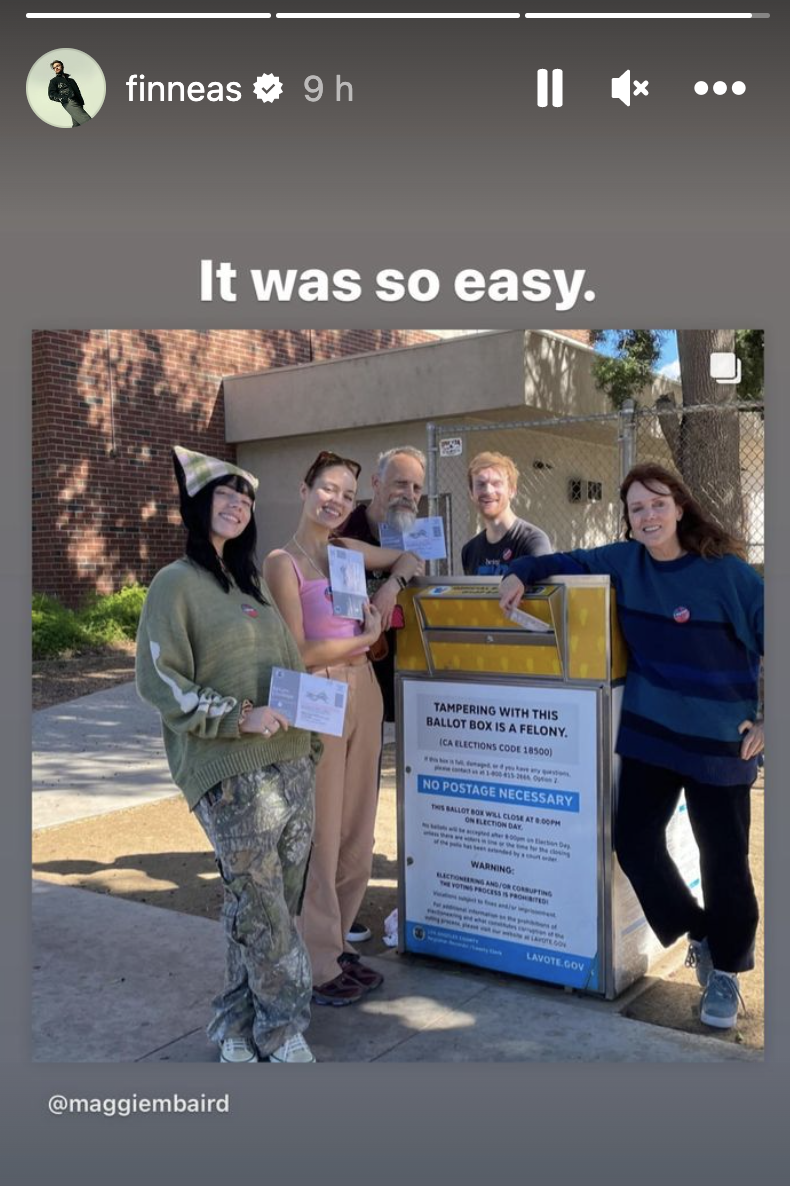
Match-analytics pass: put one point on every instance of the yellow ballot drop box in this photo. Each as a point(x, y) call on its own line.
point(506, 784)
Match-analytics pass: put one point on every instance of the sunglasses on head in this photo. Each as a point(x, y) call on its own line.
point(327, 458)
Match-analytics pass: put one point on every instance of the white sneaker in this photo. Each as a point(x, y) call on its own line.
point(358, 933)
point(293, 1049)
point(238, 1050)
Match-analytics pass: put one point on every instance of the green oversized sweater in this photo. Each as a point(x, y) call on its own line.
point(201, 653)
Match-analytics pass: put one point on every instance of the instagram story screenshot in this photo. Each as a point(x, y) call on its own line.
point(392, 611)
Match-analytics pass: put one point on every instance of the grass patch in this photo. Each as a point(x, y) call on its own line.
point(59, 631)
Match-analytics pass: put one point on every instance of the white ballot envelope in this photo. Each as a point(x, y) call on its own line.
point(309, 701)
point(522, 618)
point(347, 583)
point(425, 538)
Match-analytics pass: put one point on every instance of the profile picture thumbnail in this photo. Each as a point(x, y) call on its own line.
point(66, 88)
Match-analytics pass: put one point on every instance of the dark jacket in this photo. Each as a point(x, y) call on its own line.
point(56, 95)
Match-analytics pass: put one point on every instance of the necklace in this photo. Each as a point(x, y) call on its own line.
point(308, 557)
point(223, 565)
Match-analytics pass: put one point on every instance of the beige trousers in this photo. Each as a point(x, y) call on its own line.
point(346, 796)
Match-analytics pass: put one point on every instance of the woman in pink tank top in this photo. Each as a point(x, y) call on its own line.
point(347, 775)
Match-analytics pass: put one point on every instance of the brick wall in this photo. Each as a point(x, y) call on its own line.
point(578, 335)
point(108, 406)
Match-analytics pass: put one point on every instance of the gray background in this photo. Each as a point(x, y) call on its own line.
point(677, 208)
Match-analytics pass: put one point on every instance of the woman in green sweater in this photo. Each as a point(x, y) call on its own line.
point(209, 637)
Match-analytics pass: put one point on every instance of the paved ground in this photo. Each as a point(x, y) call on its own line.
point(95, 755)
point(113, 953)
point(117, 981)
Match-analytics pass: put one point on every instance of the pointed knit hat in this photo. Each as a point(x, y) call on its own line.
point(198, 470)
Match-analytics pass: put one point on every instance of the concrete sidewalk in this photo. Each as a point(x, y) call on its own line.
point(100, 753)
point(118, 981)
point(97, 754)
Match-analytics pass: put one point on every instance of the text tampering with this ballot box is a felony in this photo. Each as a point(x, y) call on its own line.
point(507, 785)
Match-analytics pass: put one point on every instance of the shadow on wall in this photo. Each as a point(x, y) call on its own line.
point(108, 405)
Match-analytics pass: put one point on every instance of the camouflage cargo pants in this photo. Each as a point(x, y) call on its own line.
point(260, 826)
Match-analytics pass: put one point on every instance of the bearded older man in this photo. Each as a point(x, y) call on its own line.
point(397, 483)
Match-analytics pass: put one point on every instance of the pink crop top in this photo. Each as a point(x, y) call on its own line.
point(318, 620)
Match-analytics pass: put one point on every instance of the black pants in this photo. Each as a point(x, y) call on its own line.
point(719, 818)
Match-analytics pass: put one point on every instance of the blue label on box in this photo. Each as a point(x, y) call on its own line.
point(503, 955)
point(497, 792)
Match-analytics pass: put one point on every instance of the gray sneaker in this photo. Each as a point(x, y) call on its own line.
point(293, 1049)
point(699, 958)
point(720, 1000)
point(238, 1050)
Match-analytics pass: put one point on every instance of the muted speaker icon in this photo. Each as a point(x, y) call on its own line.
point(621, 88)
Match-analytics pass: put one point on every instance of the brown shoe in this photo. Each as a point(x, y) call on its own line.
point(340, 991)
point(365, 976)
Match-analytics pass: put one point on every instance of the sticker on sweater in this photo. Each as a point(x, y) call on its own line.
point(249, 610)
point(681, 614)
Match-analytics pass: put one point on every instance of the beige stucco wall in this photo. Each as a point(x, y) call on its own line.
point(281, 464)
point(543, 492)
point(364, 405)
point(385, 387)
point(531, 373)
point(542, 499)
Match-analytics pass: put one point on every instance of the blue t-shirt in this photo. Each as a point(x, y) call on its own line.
point(481, 558)
point(694, 630)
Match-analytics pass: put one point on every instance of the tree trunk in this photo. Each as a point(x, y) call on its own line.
point(707, 446)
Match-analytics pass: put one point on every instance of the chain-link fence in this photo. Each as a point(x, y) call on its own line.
point(720, 452)
point(571, 468)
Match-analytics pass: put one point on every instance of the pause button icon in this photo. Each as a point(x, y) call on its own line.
point(543, 88)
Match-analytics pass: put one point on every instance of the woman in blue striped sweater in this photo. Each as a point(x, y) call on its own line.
point(691, 611)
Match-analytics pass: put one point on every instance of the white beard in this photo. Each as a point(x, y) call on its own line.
point(401, 519)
